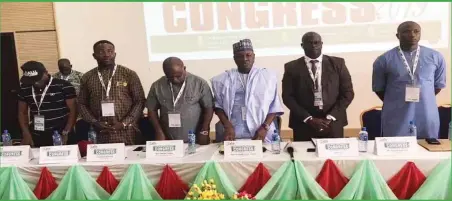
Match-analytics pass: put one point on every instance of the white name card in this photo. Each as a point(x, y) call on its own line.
point(59, 154)
point(105, 152)
point(15, 154)
point(166, 148)
point(387, 146)
point(337, 147)
point(244, 149)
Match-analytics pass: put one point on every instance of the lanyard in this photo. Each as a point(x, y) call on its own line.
point(178, 95)
point(243, 80)
point(415, 62)
point(42, 95)
point(314, 77)
point(107, 89)
point(67, 77)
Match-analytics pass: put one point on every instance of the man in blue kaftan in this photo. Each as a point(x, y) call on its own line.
point(407, 79)
point(246, 98)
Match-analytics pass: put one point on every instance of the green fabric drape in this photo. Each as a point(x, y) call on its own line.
point(13, 187)
point(438, 185)
point(77, 184)
point(135, 186)
point(291, 181)
point(212, 170)
point(366, 183)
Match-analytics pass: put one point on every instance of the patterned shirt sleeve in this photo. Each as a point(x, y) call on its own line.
point(206, 100)
point(83, 101)
point(21, 95)
point(137, 93)
point(152, 102)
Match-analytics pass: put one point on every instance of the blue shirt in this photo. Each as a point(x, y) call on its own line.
point(391, 76)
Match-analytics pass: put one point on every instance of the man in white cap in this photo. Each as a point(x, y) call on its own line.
point(246, 98)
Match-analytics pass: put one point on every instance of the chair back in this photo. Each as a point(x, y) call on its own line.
point(444, 120)
point(371, 119)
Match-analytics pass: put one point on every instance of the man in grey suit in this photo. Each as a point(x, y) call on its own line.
point(317, 89)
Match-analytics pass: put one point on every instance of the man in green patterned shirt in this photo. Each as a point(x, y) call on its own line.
point(67, 73)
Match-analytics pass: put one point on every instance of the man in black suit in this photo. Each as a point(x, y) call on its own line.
point(317, 89)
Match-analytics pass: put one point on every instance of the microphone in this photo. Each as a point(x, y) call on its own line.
point(290, 150)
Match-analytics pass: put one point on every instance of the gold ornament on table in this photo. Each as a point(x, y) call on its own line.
point(208, 191)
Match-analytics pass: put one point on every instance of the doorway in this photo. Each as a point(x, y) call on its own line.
point(10, 85)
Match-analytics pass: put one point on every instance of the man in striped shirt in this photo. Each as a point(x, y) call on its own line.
point(52, 106)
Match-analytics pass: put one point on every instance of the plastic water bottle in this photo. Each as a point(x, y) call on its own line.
point(92, 135)
point(412, 129)
point(57, 139)
point(363, 139)
point(276, 142)
point(6, 138)
point(191, 142)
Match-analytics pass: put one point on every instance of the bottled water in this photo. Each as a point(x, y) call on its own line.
point(276, 142)
point(92, 135)
point(191, 142)
point(57, 139)
point(6, 138)
point(363, 139)
point(412, 129)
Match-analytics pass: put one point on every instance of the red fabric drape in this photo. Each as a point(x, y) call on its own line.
point(331, 178)
point(407, 181)
point(107, 180)
point(83, 146)
point(171, 186)
point(256, 180)
point(46, 184)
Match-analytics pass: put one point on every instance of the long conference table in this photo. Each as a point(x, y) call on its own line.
point(237, 171)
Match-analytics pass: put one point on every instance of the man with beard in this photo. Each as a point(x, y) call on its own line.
point(185, 103)
point(246, 98)
point(111, 97)
point(67, 73)
point(407, 79)
point(317, 89)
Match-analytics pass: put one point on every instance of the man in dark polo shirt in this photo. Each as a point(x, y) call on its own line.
point(52, 106)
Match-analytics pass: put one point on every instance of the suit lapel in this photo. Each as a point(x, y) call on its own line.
point(305, 73)
point(326, 65)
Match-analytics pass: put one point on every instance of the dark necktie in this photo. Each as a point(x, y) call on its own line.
point(313, 66)
point(314, 71)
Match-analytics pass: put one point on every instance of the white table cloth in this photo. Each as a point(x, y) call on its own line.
point(237, 171)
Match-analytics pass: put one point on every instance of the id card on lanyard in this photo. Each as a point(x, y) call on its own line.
point(107, 106)
point(318, 100)
point(174, 118)
point(39, 120)
point(412, 90)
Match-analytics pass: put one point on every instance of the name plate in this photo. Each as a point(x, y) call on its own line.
point(166, 148)
point(59, 154)
point(387, 146)
point(246, 149)
point(337, 147)
point(15, 154)
point(105, 152)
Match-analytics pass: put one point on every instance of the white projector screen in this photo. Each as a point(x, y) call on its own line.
point(207, 30)
point(146, 33)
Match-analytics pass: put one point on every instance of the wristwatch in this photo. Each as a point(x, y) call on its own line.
point(64, 132)
point(265, 126)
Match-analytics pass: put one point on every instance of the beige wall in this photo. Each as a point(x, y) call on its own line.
point(33, 26)
point(79, 25)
